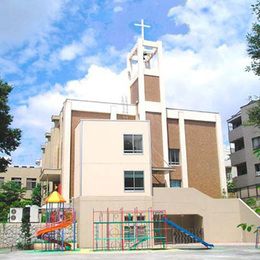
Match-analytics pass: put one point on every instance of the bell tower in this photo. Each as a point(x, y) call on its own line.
point(148, 94)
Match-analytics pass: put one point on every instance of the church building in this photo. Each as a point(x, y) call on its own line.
point(143, 155)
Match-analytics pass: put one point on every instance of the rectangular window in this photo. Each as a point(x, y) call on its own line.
point(241, 169)
point(17, 180)
point(30, 183)
point(134, 180)
point(175, 183)
point(133, 143)
point(174, 156)
point(256, 142)
point(239, 144)
point(235, 123)
point(257, 169)
point(2, 180)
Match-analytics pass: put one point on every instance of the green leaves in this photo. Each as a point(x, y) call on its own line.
point(9, 137)
point(254, 114)
point(36, 195)
point(253, 41)
point(11, 195)
point(245, 227)
point(257, 153)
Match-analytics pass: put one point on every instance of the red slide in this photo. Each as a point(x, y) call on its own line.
point(59, 225)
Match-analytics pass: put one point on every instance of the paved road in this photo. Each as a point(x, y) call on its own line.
point(219, 252)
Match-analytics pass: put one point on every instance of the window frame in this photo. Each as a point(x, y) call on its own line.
point(134, 188)
point(170, 157)
point(257, 171)
point(29, 181)
point(133, 144)
point(15, 179)
point(241, 165)
point(179, 181)
point(258, 140)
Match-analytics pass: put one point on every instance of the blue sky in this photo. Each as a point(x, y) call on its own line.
point(52, 50)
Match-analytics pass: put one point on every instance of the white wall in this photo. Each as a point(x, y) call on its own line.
point(102, 162)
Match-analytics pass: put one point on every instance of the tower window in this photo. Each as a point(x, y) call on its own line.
point(133, 143)
point(174, 156)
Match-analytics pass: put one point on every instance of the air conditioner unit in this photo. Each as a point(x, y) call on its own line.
point(257, 173)
point(16, 215)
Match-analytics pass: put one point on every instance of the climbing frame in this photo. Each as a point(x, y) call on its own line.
point(129, 229)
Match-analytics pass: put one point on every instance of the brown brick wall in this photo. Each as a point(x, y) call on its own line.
point(202, 157)
point(156, 136)
point(134, 92)
point(152, 88)
point(158, 179)
point(176, 174)
point(76, 116)
point(173, 133)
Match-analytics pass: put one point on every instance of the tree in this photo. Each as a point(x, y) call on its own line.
point(253, 41)
point(9, 137)
point(254, 120)
point(11, 195)
point(36, 195)
point(25, 229)
point(254, 115)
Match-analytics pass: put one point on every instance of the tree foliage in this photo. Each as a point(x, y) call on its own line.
point(253, 41)
point(9, 137)
point(36, 195)
point(254, 115)
point(254, 120)
point(25, 229)
point(11, 195)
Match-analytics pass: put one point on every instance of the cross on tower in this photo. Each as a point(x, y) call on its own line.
point(142, 25)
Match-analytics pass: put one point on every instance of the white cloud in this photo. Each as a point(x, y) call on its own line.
point(100, 84)
point(23, 21)
point(8, 66)
point(76, 48)
point(205, 68)
point(118, 9)
point(211, 22)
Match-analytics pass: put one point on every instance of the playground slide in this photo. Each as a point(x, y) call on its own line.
point(63, 224)
point(188, 233)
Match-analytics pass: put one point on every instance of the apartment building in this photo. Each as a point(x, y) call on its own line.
point(26, 176)
point(243, 140)
point(110, 155)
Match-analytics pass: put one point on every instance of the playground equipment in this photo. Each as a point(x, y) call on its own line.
point(136, 229)
point(57, 219)
point(128, 230)
point(188, 233)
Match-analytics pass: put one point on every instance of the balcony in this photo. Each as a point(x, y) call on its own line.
point(238, 157)
point(50, 175)
point(235, 134)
